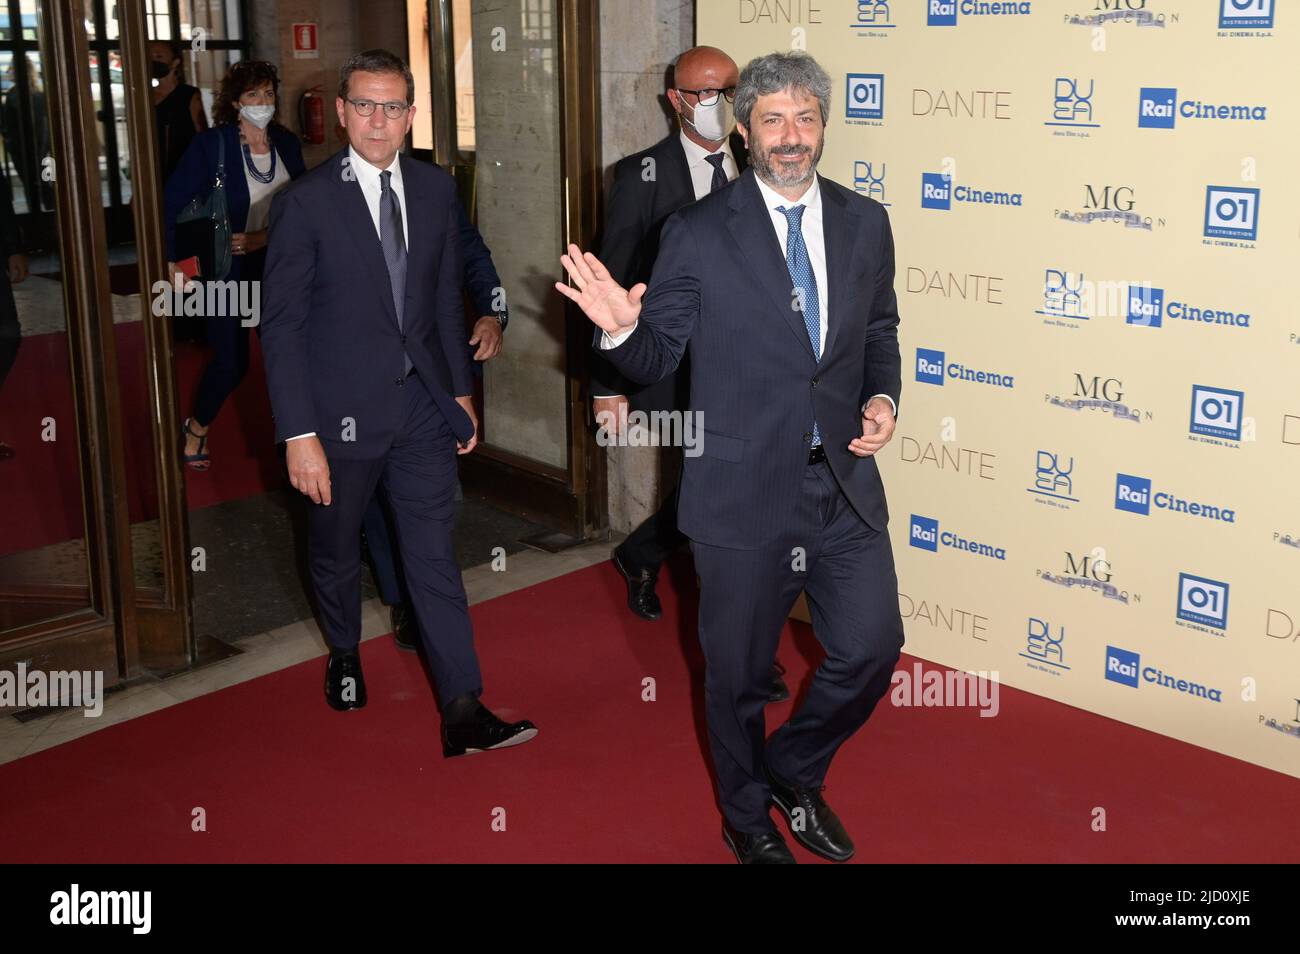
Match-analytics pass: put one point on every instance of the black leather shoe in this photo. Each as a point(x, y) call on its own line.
point(481, 732)
point(778, 691)
point(641, 596)
point(768, 848)
point(345, 686)
point(812, 823)
point(406, 632)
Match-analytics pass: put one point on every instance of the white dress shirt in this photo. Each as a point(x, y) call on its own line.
point(700, 167)
point(814, 239)
point(371, 188)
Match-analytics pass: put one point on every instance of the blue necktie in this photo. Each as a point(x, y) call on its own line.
point(393, 240)
point(801, 272)
point(719, 177)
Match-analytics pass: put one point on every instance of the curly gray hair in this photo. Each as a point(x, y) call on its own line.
point(776, 72)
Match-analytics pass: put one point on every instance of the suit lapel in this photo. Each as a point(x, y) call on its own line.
point(418, 227)
point(361, 232)
point(839, 231)
point(680, 188)
point(750, 225)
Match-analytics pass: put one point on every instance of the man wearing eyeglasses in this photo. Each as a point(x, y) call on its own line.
point(370, 382)
point(702, 155)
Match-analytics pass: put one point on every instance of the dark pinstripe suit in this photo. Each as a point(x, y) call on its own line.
point(721, 286)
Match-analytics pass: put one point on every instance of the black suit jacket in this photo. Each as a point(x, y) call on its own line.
point(330, 338)
point(722, 287)
point(635, 213)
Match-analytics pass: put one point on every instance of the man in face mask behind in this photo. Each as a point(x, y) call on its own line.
point(701, 156)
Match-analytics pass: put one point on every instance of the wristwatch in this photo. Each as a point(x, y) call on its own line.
point(503, 316)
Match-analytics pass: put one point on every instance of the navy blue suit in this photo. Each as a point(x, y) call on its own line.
point(335, 360)
point(763, 521)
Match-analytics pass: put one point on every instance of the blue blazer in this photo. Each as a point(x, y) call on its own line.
point(721, 285)
point(197, 170)
point(330, 339)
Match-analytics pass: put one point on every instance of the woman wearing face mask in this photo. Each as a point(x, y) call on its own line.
point(261, 157)
point(177, 106)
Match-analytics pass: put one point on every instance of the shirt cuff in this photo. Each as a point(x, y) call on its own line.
point(609, 342)
point(887, 398)
point(296, 436)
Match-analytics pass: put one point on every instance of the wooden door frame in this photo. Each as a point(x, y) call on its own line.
point(573, 498)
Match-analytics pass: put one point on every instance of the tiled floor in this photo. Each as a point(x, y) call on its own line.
point(274, 650)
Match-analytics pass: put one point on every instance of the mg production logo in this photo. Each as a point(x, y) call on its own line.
point(932, 367)
point(1044, 649)
point(1071, 113)
point(1108, 202)
point(1145, 306)
point(869, 179)
point(1217, 415)
point(1231, 216)
point(1132, 13)
point(1125, 667)
point(1089, 571)
point(938, 191)
point(1202, 604)
point(924, 534)
point(1245, 17)
point(1099, 394)
point(872, 15)
point(1053, 480)
point(864, 99)
point(1159, 108)
point(944, 12)
point(1134, 495)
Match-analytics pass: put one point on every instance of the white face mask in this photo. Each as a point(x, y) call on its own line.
point(714, 122)
point(259, 116)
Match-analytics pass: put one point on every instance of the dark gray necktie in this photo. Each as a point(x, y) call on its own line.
point(719, 177)
point(393, 240)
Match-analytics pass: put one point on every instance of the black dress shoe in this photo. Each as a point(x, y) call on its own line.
point(345, 686)
point(406, 632)
point(767, 848)
point(814, 826)
point(778, 691)
point(481, 731)
point(641, 596)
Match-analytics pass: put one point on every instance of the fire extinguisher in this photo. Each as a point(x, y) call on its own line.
point(311, 116)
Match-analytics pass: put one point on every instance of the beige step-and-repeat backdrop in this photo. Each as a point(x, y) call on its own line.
point(1095, 483)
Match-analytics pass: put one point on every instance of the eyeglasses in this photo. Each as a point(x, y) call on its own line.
point(707, 97)
point(366, 107)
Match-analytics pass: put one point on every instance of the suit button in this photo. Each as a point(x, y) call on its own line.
point(807, 437)
point(401, 382)
point(815, 380)
point(403, 339)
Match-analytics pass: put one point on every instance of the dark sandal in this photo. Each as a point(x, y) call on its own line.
point(201, 460)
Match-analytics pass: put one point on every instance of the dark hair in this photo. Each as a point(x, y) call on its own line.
point(377, 61)
point(178, 53)
point(239, 79)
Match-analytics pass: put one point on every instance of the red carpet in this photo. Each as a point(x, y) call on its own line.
point(45, 475)
point(611, 778)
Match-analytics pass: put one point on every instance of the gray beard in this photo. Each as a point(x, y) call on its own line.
point(767, 170)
